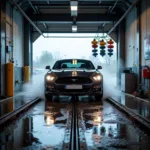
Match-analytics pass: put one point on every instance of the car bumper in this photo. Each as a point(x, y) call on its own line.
point(87, 89)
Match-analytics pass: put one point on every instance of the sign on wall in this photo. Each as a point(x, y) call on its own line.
point(147, 47)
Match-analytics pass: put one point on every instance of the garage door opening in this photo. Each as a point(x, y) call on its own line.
point(65, 46)
point(46, 51)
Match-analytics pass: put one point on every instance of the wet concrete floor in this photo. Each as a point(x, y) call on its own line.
point(43, 128)
point(138, 106)
point(11, 104)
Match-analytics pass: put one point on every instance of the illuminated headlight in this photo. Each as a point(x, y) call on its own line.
point(97, 78)
point(50, 78)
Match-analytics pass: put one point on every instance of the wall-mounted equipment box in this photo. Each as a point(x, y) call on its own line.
point(146, 73)
point(8, 49)
point(128, 82)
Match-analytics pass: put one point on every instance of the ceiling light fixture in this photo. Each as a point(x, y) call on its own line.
point(74, 28)
point(74, 8)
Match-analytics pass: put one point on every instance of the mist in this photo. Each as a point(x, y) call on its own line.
point(110, 83)
point(36, 87)
point(70, 48)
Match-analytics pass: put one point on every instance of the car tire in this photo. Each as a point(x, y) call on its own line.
point(49, 97)
point(98, 97)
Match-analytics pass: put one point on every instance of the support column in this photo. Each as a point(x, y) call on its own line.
point(138, 45)
point(27, 45)
point(120, 52)
point(31, 58)
point(3, 45)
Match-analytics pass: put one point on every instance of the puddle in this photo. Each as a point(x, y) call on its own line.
point(40, 129)
point(12, 104)
point(108, 129)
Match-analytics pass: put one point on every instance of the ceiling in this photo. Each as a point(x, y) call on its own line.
point(54, 16)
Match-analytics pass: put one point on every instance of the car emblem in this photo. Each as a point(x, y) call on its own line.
point(74, 80)
point(74, 73)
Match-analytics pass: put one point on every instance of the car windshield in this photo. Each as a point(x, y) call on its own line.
point(73, 63)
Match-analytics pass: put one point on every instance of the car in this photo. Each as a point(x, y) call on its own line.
point(73, 77)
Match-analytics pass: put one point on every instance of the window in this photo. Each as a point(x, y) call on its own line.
point(73, 63)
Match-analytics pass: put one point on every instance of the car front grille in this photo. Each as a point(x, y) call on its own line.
point(74, 80)
point(73, 90)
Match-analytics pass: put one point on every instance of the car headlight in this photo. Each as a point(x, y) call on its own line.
point(97, 78)
point(50, 78)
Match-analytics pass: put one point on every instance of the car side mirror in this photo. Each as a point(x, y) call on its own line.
point(99, 67)
point(47, 67)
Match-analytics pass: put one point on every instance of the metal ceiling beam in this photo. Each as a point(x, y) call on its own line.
point(32, 6)
point(100, 1)
point(78, 0)
point(81, 5)
point(56, 31)
point(44, 24)
point(81, 17)
point(66, 5)
point(24, 14)
point(52, 36)
point(70, 22)
point(113, 6)
point(123, 17)
point(110, 11)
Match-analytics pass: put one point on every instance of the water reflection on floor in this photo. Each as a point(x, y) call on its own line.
point(9, 105)
point(106, 128)
point(43, 127)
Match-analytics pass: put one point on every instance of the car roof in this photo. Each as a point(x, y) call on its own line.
point(73, 59)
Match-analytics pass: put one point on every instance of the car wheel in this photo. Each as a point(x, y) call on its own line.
point(49, 97)
point(98, 97)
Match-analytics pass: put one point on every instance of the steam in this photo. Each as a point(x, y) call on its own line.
point(36, 87)
point(110, 82)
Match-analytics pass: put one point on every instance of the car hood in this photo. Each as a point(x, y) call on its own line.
point(74, 72)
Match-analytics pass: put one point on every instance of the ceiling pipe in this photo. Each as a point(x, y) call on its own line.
point(30, 21)
point(125, 14)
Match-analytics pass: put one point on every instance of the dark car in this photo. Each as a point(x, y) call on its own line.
point(73, 77)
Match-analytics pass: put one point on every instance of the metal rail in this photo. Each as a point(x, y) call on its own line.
point(76, 129)
point(73, 139)
point(78, 136)
point(142, 121)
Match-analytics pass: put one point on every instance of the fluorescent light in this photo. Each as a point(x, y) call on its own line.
point(74, 28)
point(74, 8)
